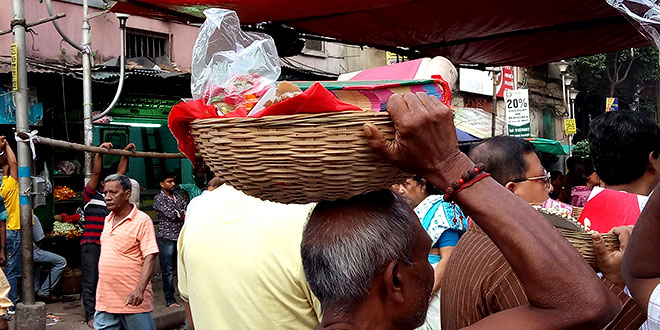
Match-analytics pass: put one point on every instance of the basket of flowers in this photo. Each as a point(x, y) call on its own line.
point(62, 193)
point(68, 226)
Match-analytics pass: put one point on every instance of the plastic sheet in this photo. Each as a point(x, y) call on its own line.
point(644, 14)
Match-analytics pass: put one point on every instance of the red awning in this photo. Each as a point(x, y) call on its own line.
point(508, 32)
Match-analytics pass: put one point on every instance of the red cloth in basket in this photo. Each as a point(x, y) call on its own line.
point(315, 99)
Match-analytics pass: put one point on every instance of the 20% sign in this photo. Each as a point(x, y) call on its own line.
point(517, 112)
point(516, 103)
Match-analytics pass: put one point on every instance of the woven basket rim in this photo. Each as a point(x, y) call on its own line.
point(303, 117)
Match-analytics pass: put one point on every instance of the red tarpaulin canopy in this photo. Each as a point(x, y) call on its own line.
point(508, 32)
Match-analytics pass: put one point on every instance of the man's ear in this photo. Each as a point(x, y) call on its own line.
point(510, 186)
point(392, 281)
point(654, 162)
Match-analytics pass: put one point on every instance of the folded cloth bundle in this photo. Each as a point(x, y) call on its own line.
point(315, 99)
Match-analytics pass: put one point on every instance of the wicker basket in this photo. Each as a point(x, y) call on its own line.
point(577, 211)
point(583, 243)
point(297, 158)
point(71, 281)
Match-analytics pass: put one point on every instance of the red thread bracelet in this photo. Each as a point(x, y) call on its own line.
point(467, 179)
point(475, 180)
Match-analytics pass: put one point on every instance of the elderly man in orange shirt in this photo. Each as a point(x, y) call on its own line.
point(124, 298)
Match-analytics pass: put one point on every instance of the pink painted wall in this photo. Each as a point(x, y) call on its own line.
point(105, 32)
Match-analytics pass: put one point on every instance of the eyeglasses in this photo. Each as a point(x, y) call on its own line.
point(545, 177)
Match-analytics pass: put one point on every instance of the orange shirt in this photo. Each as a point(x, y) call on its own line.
point(123, 249)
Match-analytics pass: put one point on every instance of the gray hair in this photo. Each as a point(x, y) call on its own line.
point(124, 181)
point(347, 243)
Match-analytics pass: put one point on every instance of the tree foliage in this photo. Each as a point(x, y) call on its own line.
point(581, 149)
point(617, 74)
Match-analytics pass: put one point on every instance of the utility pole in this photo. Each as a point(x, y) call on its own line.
point(494, 107)
point(87, 88)
point(29, 316)
point(496, 73)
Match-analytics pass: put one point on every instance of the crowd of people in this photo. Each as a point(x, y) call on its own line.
point(456, 245)
point(118, 246)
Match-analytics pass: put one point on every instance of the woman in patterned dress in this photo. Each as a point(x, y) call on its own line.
point(445, 223)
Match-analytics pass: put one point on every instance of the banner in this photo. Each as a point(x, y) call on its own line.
point(569, 126)
point(611, 104)
point(14, 67)
point(516, 102)
point(481, 82)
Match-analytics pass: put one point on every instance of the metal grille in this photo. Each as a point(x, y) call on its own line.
point(316, 45)
point(149, 45)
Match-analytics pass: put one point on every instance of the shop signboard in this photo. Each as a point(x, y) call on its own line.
point(611, 104)
point(569, 126)
point(516, 102)
point(14, 67)
point(481, 82)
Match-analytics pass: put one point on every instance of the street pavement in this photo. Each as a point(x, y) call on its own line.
point(70, 314)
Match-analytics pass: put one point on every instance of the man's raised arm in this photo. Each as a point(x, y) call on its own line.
point(97, 167)
point(11, 166)
point(563, 291)
point(123, 162)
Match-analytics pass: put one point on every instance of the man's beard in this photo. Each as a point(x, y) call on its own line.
point(414, 321)
point(421, 304)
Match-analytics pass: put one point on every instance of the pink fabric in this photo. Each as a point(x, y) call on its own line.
point(398, 71)
point(553, 204)
point(580, 195)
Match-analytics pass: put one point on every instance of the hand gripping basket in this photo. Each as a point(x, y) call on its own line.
point(297, 159)
point(583, 243)
point(578, 235)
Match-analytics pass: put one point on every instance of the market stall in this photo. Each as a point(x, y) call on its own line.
point(510, 32)
point(549, 146)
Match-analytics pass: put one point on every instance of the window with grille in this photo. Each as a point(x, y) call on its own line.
point(315, 45)
point(146, 44)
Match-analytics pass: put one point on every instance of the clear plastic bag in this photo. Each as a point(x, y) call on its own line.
point(232, 68)
point(644, 14)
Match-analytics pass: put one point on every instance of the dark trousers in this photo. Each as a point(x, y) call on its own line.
point(167, 256)
point(90, 254)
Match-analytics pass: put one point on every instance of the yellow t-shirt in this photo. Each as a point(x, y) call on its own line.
point(9, 193)
point(240, 265)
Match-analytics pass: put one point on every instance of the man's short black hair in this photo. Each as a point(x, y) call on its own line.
point(504, 157)
point(555, 174)
point(588, 167)
point(572, 162)
point(620, 143)
point(165, 175)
